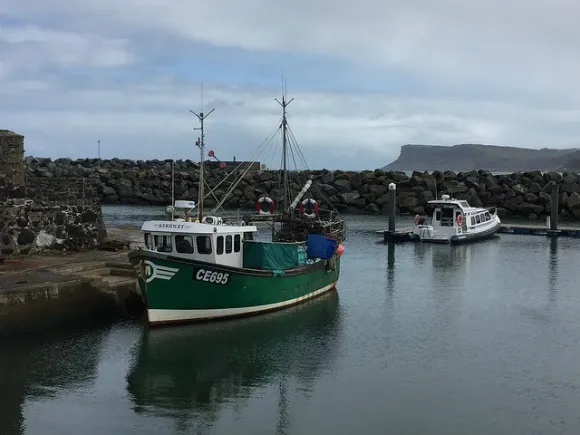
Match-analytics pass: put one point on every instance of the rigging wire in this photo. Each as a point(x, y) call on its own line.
point(235, 184)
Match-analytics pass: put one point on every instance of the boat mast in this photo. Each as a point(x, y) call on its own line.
point(284, 104)
point(200, 143)
point(173, 184)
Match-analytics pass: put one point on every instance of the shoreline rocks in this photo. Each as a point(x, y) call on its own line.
point(518, 195)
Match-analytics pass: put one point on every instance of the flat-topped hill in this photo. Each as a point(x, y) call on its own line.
point(468, 157)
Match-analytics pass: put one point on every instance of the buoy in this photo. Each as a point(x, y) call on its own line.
point(309, 208)
point(260, 205)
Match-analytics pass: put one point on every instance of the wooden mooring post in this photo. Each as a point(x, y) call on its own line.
point(391, 234)
point(392, 206)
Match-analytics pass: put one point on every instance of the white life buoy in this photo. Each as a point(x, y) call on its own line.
point(260, 205)
point(309, 208)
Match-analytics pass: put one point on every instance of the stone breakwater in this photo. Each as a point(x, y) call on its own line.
point(522, 194)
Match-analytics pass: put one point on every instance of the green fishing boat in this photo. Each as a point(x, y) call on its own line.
point(205, 267)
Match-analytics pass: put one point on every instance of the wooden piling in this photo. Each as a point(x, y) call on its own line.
point(392, 206)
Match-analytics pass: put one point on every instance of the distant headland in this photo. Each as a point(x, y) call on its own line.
point(469, 157)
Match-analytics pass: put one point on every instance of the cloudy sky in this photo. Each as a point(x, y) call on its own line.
point(366, 76)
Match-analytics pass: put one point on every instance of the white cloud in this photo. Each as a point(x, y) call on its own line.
point(31, 48)
point(519, 44)
point(148, 121)
point(510, 70)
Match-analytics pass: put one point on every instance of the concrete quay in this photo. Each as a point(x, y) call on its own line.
point(46, 291)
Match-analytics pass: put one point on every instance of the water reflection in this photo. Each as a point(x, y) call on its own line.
point(450, 257)
point(449, 263)
point(43, 368)
point(553, 272)
point(390, 268)
point(419, 250)
point(188, 372)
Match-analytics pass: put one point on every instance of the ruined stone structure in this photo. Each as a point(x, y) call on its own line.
point(44, 213)
point(12, 156)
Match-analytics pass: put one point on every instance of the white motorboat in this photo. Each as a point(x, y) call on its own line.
point(455, 221)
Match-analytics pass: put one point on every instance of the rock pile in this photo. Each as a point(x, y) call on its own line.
point(521, 194)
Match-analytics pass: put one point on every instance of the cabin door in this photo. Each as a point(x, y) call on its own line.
point(447, 217)
point(436, 221)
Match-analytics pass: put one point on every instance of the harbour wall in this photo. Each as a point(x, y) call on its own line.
point(44, 213)
point(518, 195)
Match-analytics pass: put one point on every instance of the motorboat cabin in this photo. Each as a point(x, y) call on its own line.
point(454, 221)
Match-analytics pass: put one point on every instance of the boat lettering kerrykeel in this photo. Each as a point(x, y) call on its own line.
point(204, 267)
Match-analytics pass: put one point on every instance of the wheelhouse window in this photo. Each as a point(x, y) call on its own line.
point(228, 244)
point(219, 249)
point(472, 220)
point(203, 245)
point(478, 218)
point(237, 243)
point(184, 244)
point(148, 242)
point(487, 216)
point(163, 243)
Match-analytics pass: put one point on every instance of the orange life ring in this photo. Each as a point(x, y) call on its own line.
point(313, 208)
point(260, 205)
point(459, 219)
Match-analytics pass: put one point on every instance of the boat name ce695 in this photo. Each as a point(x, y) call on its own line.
point(212, 276)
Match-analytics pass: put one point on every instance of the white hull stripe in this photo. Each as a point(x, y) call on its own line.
point(166, 316)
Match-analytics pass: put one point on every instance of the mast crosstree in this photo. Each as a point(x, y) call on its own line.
point(201, 145)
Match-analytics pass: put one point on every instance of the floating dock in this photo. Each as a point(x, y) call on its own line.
point(537, 230)
point(404, 235)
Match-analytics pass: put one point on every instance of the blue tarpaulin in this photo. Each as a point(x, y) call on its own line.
point(320, 246)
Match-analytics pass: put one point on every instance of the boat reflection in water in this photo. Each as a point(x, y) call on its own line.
point(189, 371)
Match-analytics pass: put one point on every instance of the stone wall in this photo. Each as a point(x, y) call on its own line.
point(44, 213)
point(49, 214)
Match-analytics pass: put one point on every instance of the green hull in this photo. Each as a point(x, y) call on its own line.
point(178, 290)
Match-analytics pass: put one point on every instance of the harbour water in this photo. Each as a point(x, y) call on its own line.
point(418, 339)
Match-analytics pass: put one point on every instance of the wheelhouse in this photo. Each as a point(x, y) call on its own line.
point(219, 244)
